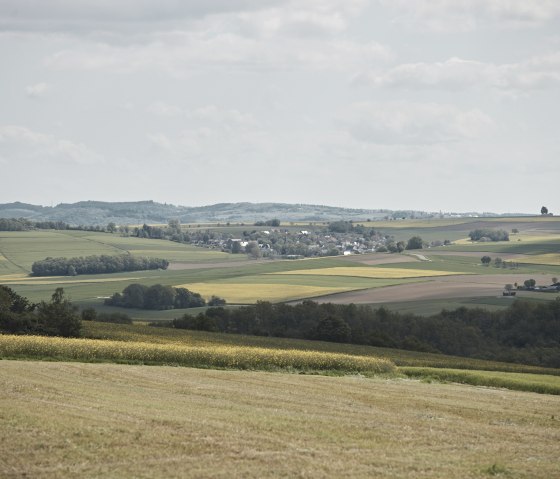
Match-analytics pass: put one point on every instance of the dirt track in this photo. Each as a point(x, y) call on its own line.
point(465, 286)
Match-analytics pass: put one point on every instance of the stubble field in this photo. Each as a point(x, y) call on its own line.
point(106, 420)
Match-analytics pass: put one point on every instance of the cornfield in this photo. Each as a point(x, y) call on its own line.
point(184, 355)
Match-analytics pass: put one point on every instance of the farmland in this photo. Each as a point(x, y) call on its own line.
point(93, 407)
point(92, 420)
point(450, 274)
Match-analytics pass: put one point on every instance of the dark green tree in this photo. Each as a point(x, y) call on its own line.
point(334, 329)
point(59, 317)
point(415, 243)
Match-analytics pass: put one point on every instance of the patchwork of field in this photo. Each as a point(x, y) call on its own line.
point(372, 278)
point(107, 420)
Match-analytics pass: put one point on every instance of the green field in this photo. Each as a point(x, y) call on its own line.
point(240, 280)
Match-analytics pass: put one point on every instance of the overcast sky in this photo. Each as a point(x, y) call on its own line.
point(449, 105)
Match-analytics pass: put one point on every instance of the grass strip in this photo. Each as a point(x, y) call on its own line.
point(230, 357)
point(537, 383)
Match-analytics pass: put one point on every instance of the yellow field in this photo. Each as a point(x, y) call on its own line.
point(552, 259)
point(238, 357)
point(244, 293)
point(371, 272)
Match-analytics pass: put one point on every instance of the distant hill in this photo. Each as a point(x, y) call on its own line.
point(89, 213)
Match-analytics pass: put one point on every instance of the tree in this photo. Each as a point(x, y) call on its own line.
point(529, 283)
point(415, 243)
point(544, 210)
point(508, 287)
point(59, 317)
point(485, 260)
point(333, 329)
point(111, 227)
point(498, 262)
point(253, 250)
point(401, 246)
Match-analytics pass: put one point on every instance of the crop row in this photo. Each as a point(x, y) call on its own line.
point(193, 356)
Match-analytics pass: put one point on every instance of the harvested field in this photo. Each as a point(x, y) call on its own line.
point(106, 420)
point(438, 288)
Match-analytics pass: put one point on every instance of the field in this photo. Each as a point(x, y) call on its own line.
point(107, 420)
point(273, 407)
point(412, 281)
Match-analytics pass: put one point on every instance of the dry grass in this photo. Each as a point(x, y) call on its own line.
point(244, 293)
point(105, 420)
point(371, 272)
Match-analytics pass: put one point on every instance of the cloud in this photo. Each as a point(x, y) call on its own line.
point(91, 15)
point(456, 73)
point(183, 53)
point(452, 16)
point(400, 123)
point(36, 90)
point(19, 144)
point(162, 109)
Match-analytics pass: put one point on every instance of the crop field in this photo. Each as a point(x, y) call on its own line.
point(397, 279)
point(548, 259)
point(108, 420)
point(145, 334)
point(247, 293)
point(371, 272)
point(232, 357)
point(541, 383)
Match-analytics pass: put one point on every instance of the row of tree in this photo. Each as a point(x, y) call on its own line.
point(487, 234)
point(159, 296)
point(526, 332)
point(96, 265)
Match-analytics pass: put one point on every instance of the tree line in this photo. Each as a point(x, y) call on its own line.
point(95, 264)
point(489, 235)
point(525, 332)
point(159, 296)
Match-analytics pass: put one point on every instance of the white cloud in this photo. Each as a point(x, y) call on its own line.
point(452, 16)
point(400, 123)
point(456, 73)
point(95, 15)
point(162, 109)
point(21, 145)
point(183, 53)
point(36, 90)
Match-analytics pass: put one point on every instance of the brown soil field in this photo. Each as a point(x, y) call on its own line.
point(465, 286)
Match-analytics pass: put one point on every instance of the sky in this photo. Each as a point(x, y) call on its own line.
point(435, 105)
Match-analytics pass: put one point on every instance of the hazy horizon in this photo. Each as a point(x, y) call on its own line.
point(370, 104)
